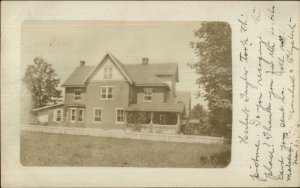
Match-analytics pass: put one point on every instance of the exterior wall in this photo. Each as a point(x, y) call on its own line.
point(134, 95)
point(116, 74)
point(109, 107)
point(158, 94)
point(46, 116)
point(52, 120)
point(170, 80)
point(43, 116)
point(70, 93)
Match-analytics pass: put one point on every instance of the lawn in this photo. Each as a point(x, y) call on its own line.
point(44, 149)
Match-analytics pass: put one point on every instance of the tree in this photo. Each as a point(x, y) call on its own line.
point(213, 47)
point(41, 80)
point(198, 112)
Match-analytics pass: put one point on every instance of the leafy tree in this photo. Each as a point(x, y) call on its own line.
point(41, 80)
point(213, 47)
point(198, 112)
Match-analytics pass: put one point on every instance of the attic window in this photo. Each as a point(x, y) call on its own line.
point(148, 94)
point(107, 73)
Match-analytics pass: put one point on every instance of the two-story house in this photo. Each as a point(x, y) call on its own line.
point(102, 96)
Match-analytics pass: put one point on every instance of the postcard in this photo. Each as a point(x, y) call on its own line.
point(152, 93)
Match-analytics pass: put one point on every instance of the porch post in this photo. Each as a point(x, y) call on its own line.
point(178, 122)
point(151, 121)
point(125, 119)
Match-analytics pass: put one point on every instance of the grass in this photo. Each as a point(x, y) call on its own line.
point(44, 149)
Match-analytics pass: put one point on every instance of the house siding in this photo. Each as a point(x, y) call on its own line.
point(70, 93)
point(169, 79)
point(158, 95)
point(46, 116)
point(108, 116)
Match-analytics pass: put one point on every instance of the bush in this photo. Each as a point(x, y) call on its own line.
point(136, 127)
point(198, 129)
point(205, 128)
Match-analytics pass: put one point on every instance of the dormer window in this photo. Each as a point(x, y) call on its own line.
point(148, 94)
point(107, 73)
point(77, 95)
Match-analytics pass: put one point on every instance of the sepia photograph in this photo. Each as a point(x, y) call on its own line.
point(126, 94)
point(150, 94)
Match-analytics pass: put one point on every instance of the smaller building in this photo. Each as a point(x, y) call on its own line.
point(53, 113)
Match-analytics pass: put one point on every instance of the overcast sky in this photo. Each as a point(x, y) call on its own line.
point(64, 44)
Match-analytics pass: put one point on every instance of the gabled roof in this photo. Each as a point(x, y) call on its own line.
point(78, 77)
point(147, 74)
point(138, 74)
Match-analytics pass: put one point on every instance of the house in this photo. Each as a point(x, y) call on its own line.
point(103, 96)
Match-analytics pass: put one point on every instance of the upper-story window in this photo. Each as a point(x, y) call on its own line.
point(148, 94)
point(106, 92)
point(107, 73)
point(77, 94)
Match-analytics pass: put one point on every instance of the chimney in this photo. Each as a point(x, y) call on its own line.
point(82, 63)
point(145, 61)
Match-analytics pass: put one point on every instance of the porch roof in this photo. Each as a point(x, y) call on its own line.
point(75, 105)
point(47, 107)
point(161, 107)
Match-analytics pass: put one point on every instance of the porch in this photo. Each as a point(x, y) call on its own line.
point(159, 118)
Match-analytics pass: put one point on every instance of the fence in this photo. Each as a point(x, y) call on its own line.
point(124, 134)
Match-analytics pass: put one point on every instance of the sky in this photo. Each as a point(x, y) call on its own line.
point(65, 43)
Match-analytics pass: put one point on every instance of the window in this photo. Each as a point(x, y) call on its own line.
point(97, 115)
point(72, 114)
point(106, 92)
point(107, 73)
point(77, 94)
point(120, 116)
point(58, 115)
point(81, 115)
point(148, 94)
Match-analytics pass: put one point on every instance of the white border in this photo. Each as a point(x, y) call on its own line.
point(15, 175)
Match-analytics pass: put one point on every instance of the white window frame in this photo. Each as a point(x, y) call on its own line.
point(70, 110)
point(107, 73)
point(121, 109)
point(95, 115)
point(106, 92)
point(55, 115)
point(147, 94)
point(77, 95)
point(81, 109)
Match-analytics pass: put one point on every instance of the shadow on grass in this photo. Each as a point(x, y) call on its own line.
point(218, 160)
